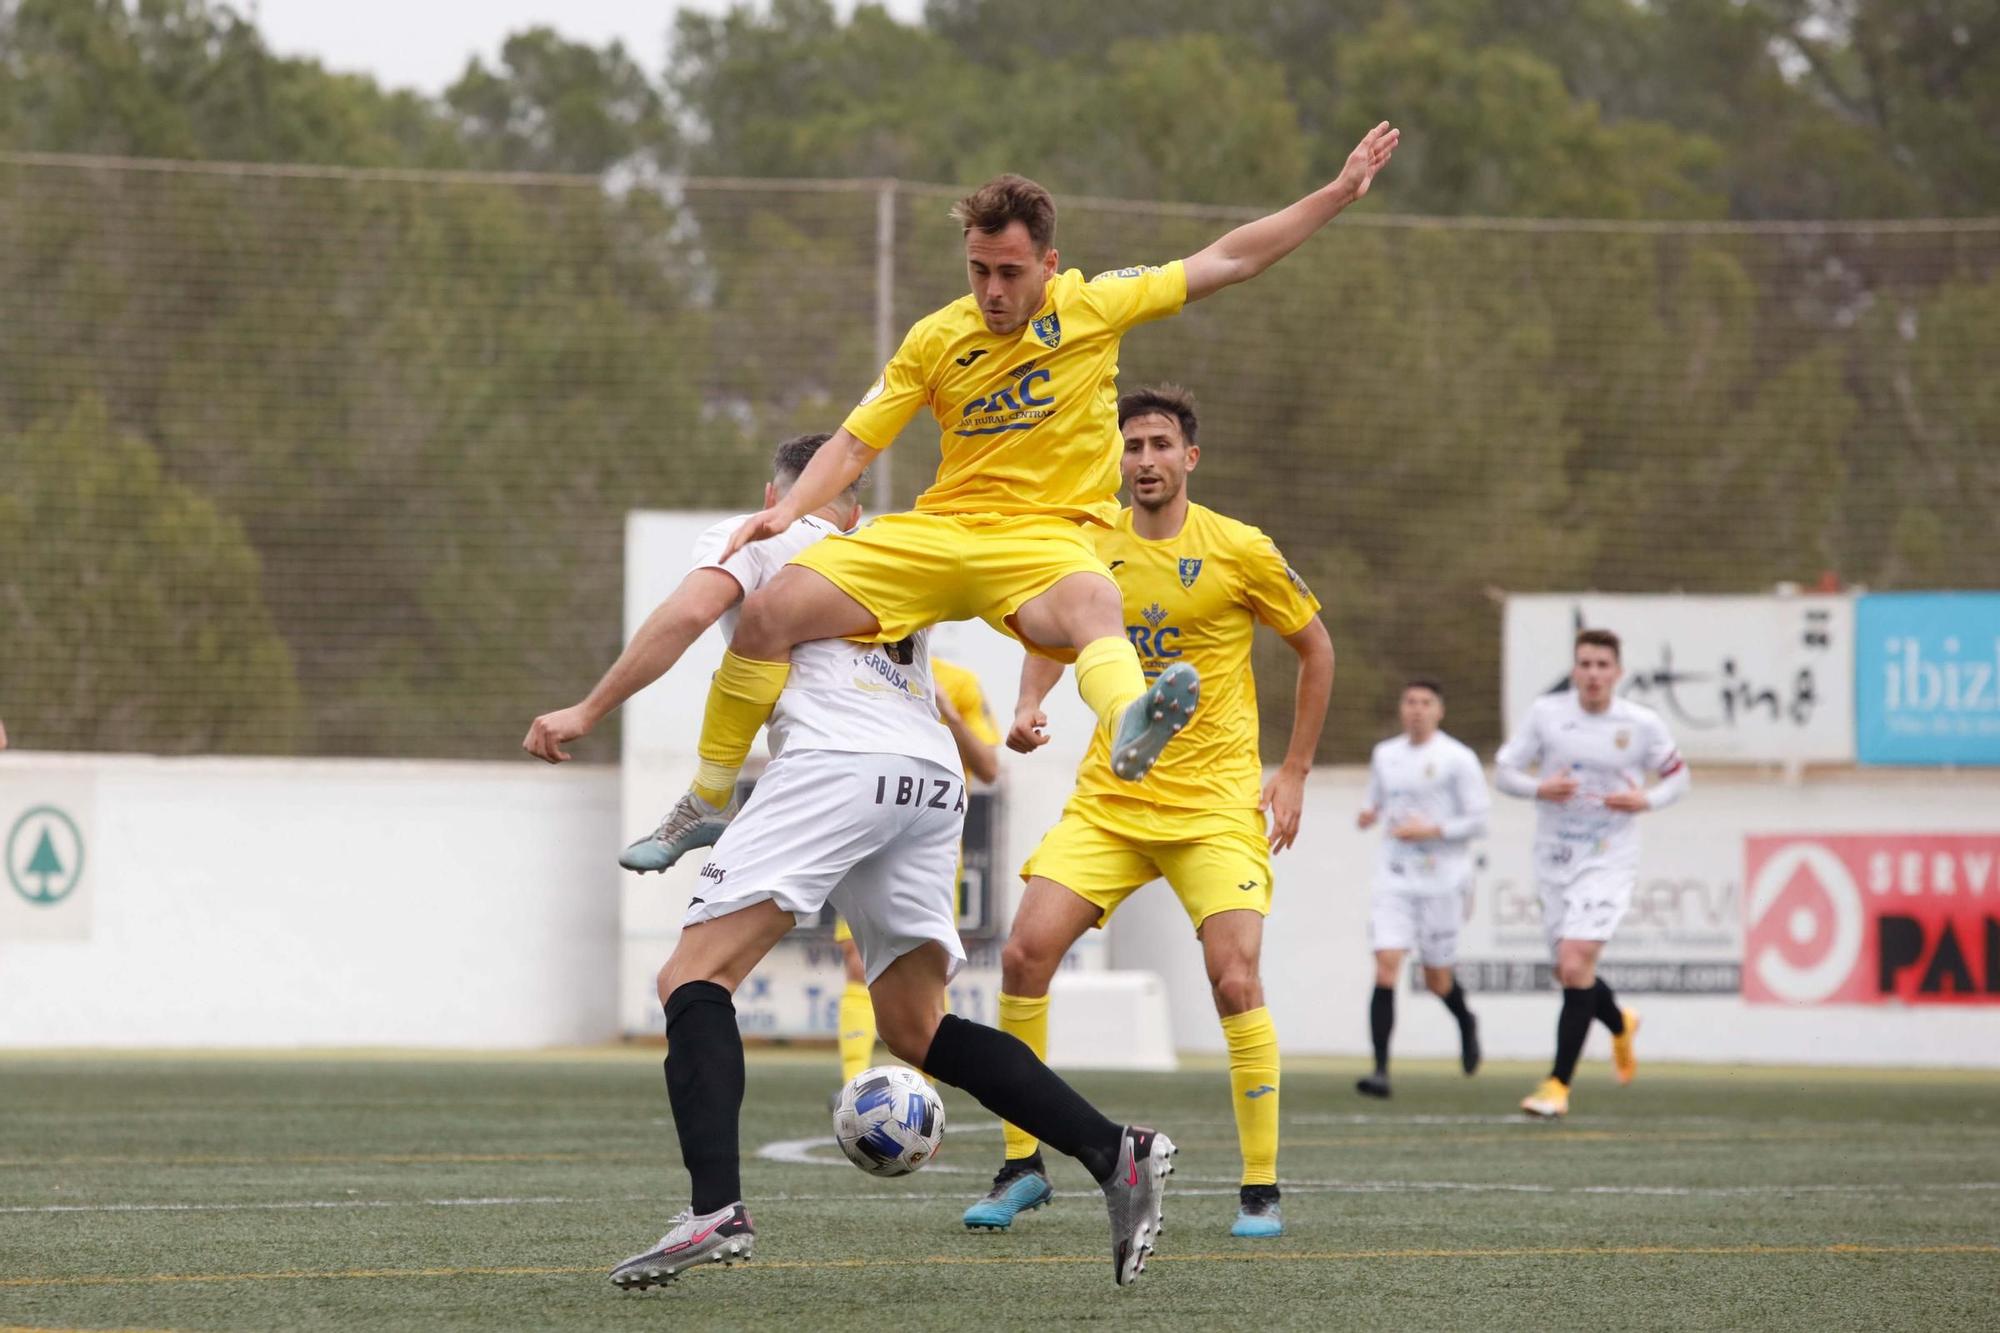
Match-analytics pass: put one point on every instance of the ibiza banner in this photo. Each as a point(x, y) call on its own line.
point(1927, 676)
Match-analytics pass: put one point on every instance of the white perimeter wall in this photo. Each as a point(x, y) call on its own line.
point(245, 902)
point(288, 903)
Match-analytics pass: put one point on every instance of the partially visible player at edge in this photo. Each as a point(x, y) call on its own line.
point(1431, 792)
point(1593, 752)
point(1195, 586)
point(863, 806)
point(962, 708)
point(1021, 378)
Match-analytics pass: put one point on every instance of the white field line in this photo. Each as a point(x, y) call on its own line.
point(1202, 1188)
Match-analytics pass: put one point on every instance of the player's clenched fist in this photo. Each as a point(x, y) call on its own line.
point(1030, 731)
point(551, 731)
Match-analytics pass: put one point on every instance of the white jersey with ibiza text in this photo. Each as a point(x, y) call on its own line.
point(863, 698)
point(1439, 781)
point(1615, 750)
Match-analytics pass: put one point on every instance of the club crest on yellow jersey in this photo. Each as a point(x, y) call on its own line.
point(1049, 329)
point(1190, 570)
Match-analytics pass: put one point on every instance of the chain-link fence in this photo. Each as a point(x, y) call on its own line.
point(333, 462)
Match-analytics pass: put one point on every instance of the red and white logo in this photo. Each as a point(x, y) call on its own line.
point(1872, 919)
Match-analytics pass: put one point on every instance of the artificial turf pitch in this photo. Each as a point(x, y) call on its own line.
point(258, 1193)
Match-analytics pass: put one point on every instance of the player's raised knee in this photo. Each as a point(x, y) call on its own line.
point(907, 1033)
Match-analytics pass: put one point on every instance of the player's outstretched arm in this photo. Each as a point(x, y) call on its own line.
point(1285, 794)
point(1255, 246)
point(1030, 731)
point(837, 466)
point(675, 623)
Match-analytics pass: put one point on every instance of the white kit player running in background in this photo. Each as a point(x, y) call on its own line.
point(1592, 752)
point(1429, 792)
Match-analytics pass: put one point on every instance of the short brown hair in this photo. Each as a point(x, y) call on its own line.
point(1006, 199)
point(789, 462)
point(1167, 400)
point(1431, 683)
point(1598, 638)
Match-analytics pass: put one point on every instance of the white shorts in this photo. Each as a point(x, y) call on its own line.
point(1588, 907)
point(875, 835)
point(1425, 922)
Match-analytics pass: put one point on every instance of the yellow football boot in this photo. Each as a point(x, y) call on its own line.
point(1550, 1101)
point(1625, 1060)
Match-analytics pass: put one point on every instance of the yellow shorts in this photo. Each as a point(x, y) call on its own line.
point(1105, 847)
point(914, 570)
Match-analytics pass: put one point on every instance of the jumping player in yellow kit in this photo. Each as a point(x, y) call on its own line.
point(1021, 378)
point(1195, 586)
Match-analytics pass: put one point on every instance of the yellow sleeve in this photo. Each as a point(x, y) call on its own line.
point(961, 686)
point(1273, 590)
point(1127, 297)
point(894, 398)
point(970, 701)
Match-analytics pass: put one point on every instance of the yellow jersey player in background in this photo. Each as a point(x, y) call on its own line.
point(1021, 378)
point(1195, 585)
point(961, 706)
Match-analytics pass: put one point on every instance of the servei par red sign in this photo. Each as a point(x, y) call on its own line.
point(1872, 919)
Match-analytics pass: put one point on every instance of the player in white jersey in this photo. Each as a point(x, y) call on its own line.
point(1593, 752)
point(1430, 793)
point(862, 806)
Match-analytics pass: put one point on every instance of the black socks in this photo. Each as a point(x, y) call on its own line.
point(1608, 1012)
point(1454, 1000)
point(1382, 1021)
point(1003, 1074)
point(1579, 1008)
point(705, 1086)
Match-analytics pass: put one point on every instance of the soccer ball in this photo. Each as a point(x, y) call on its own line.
point(888, 1120)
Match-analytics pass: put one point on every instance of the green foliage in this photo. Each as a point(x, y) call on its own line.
point(134, 612)
point(419, 409)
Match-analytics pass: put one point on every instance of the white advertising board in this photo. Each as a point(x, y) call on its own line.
point(1758, 679)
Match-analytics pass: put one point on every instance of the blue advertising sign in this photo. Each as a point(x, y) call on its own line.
point(1927, 678)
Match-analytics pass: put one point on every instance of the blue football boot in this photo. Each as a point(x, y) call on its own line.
point(1257, 1213)
point(1021, 1187)
point(1153, 719)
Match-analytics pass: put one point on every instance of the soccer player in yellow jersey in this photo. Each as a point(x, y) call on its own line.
point(962, 708)
point(1020, 376)
point(1195, 585)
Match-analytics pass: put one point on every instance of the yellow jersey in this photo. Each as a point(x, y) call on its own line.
point(961, 686)
point(1028, 421)
point(1197, 597)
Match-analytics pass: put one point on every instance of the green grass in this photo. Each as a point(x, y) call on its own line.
point(312, 1191)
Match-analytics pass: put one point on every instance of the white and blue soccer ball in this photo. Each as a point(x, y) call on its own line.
point(888, 1120)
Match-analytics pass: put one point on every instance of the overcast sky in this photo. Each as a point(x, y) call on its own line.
point(424, 44)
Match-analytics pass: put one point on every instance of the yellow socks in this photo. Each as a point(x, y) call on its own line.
point(1108, 676)
point(1253, 1086)
point(857, 1030)
point(740, 699)
point(1026, 1017)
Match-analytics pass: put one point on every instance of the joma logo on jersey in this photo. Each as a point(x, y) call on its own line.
point(1017, 408)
